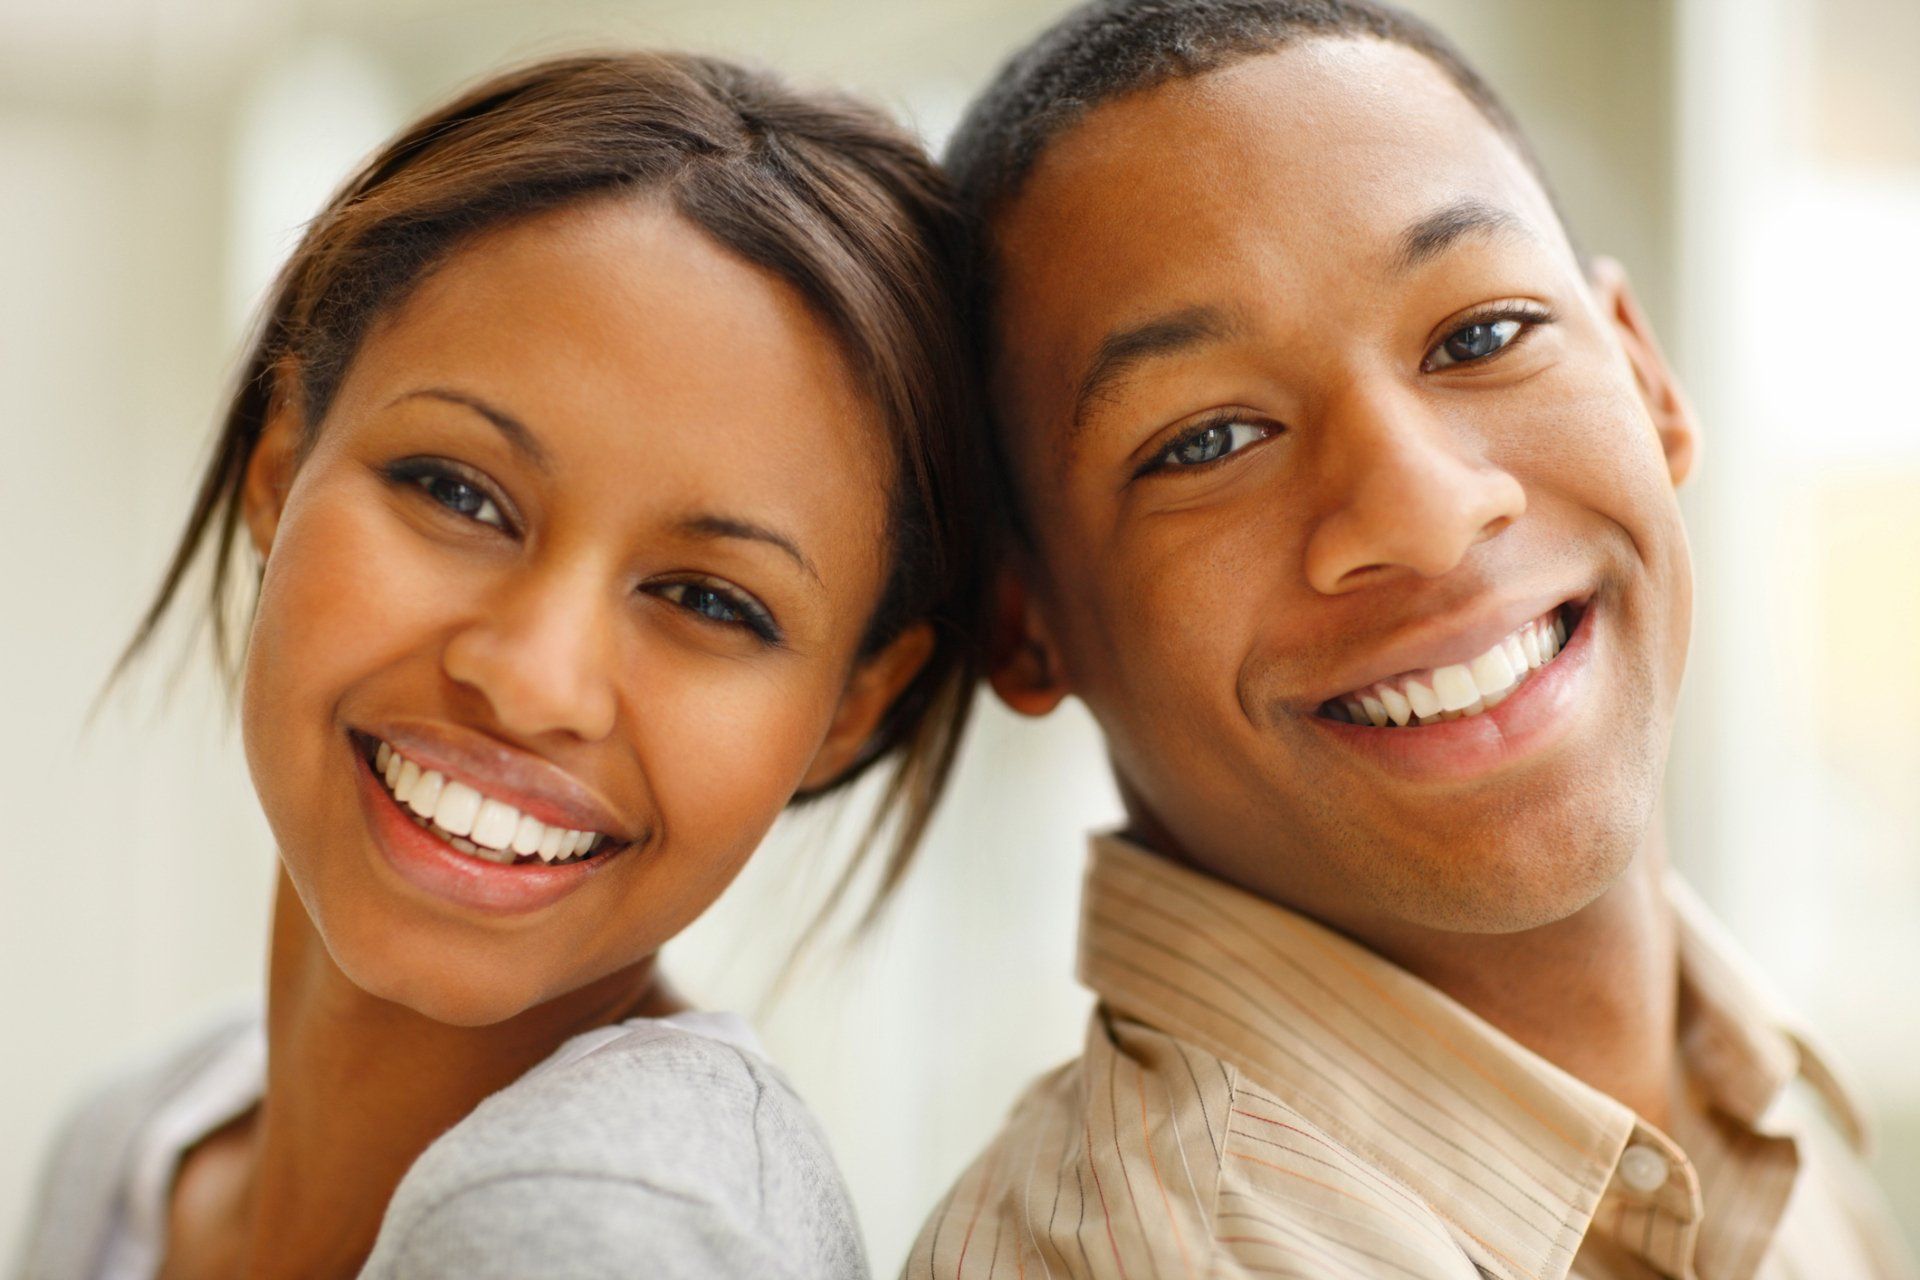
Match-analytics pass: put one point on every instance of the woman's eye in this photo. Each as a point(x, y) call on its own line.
point(448, 488)
point(1475, 341)
point(1210, 444)
point(458, 496)
point(720, 606)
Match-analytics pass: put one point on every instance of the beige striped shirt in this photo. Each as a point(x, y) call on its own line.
point(1260, 1096)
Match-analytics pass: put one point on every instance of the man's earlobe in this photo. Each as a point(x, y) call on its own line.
point(270, 468)
point(1023, 663)
point(1667, 404)
point(877, 681)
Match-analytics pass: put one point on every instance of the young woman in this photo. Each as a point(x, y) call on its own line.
point(600, 450)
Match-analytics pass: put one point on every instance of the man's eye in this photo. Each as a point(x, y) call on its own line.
point(1476, 341)
point(1210, 444)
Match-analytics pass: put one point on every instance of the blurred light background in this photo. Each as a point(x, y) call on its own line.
point(1756, 164)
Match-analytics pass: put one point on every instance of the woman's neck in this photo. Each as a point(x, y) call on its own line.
point(357, 1087)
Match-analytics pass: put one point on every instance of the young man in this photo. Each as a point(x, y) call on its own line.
point(1343, 496)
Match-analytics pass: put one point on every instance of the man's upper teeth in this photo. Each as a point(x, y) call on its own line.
point(476, 823)
point(1462, 689)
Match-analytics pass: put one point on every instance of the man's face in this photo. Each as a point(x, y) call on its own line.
point(1315, 413)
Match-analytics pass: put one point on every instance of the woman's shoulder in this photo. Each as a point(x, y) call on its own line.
point(668, 1142)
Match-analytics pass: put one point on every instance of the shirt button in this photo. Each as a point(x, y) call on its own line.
point(1643, 1169)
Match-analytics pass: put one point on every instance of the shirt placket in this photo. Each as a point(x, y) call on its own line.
point(1653, 1205)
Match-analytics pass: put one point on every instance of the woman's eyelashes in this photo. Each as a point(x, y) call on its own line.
point(1486, 334)
point(452, 487)
point(1217, 437)
point(720, 605)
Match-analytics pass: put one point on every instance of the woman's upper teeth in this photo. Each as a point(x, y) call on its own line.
point(1462, 689)
point(495, 828)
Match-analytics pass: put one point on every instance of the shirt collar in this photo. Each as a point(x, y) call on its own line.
point(1514, 1152)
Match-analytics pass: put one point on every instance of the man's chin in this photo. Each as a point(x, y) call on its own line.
point(1509, 885)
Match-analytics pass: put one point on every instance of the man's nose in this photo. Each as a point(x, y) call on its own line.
point(540, 653)
point(1408, 491)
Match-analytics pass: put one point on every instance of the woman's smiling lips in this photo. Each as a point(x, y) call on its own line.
point(1538, 712)
point(480, 879)
point(519, 778)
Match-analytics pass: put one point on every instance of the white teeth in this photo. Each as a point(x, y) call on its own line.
point(1421, 699)
point(1491, 671)
point(1455, 688)
point(409, 776)
point(494, 825)
point(459, 806)
point(1460, 689)
point(426, 793)
point(1516, 656)
point(493, 829)
point(1530, 645)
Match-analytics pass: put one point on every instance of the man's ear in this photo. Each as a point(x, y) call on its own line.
point(1023, 662)
point(876, 682)
point(263, 492)
point(1672, 415)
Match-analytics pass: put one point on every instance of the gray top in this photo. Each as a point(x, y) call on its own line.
point(658, 1148)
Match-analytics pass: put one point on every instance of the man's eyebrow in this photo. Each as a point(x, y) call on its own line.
point(707, 525)
point(1124, 350)
point(517, 433)
point(1440, 230)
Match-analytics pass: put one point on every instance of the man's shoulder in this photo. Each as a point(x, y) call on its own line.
point(1151, 1155)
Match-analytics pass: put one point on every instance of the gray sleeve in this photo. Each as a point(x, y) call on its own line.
point(583, 1227)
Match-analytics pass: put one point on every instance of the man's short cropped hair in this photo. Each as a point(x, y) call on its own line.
point(1106, 49)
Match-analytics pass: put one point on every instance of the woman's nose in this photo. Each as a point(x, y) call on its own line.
point(540, 654)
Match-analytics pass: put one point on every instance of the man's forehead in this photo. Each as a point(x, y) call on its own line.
point(1328, 157)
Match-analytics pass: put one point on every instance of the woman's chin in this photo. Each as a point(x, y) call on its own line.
point(444, 988)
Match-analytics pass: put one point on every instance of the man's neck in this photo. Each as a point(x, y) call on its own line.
point(358, 1087)
point(1596, 994)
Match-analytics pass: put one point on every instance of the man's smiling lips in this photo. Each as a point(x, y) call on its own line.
point(1540, 711)
point(1452, 638)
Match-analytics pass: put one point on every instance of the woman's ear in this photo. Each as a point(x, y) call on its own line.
point(1023, 663)
point(263, 493)
point(876, 682)
point(1673, 418)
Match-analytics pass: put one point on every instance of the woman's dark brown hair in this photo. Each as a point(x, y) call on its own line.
point(820, 190)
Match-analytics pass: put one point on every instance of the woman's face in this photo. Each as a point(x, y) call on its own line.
point(588, 537)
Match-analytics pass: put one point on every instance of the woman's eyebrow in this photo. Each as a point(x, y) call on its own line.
point(708, 525)
point(518, 434)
